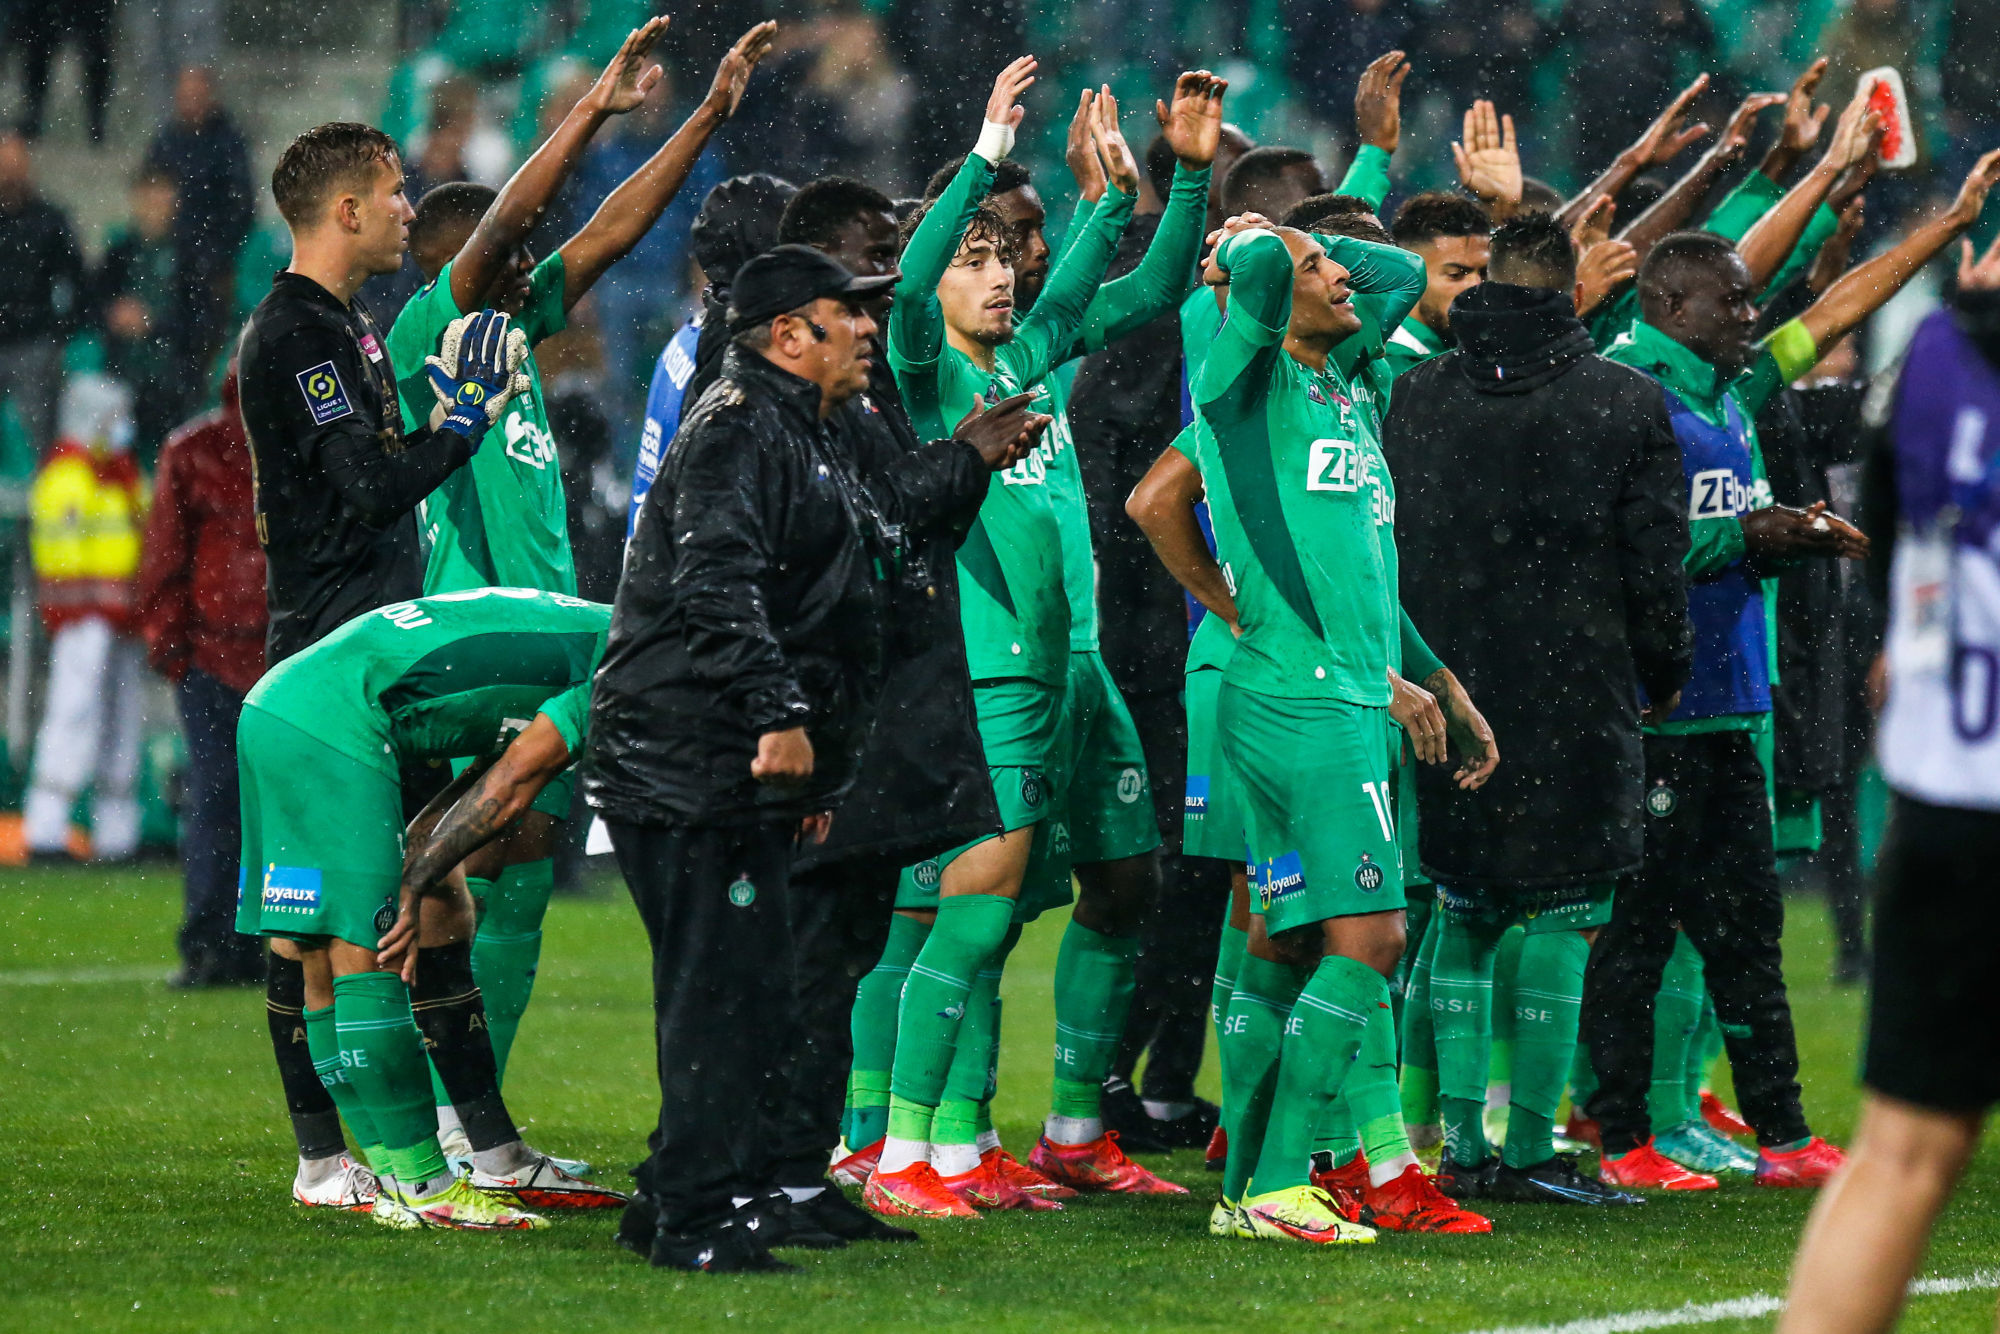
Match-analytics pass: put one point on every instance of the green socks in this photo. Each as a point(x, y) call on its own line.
point(383, 1055)
point(1372, 1098)
point(1337, 1137)
point(324, 1044)
point(1506, 964)
point(1252, 1038)
point(876, 1000)
point(1327, 1024)
point(1548, 1004)
point(1677, 1012)
point(508, 949)
point(961, 1115)
point(1228, 958)
point(1093, 993)
point(969, 928)
point(1461, 983)
point(1420, 1078)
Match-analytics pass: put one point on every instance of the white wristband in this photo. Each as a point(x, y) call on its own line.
point(996, 141)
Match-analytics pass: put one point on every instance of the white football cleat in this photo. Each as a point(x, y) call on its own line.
point(353, 1187)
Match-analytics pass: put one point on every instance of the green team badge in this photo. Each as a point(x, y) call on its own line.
point(926, 874)
point(1661, 801)
point(385, 917)
point(1031, 787)
point(741, 892)
point(1129, 784)
point(1368, 876)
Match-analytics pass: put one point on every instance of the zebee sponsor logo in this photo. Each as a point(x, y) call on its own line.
point(291, 889)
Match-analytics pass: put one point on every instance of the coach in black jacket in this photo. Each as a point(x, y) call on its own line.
point(1541, 545)
point(738, 684)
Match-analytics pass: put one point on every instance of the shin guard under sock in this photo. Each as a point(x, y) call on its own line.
point(1549, 1001)
point(1251, 1042)
point(1373, 1100)
point(1324, 1034)
point(1336, 1136)
point(1418, 1035)
point(1676, 1026)
point(1461, 984)
point(315, 1120)
point(1706, 1050)
point(507, 950)
point(1228, 958)
point(324, 1043)
point(876, 999)
point(1506, 964)
point(969, 1084)
point(969, 928)
point(383, 1055)
point(451, 1015)
point(1093, 992)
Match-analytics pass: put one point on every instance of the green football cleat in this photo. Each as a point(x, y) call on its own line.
point(459, 1205)
point(1694, 1145)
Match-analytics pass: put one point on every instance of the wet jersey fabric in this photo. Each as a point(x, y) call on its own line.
point(448, 676)
point(1413, 343)
point(502, 521)
point(1014, 600)
point(1714, 421)
point(1307, 534)
point(666, 397)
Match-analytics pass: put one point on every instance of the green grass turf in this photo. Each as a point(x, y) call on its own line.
point(148, 1163)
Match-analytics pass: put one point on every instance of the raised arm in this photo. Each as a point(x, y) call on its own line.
point(916, 321)
point(1253, 261)
point(1162, 504)
point(1671, 211)
point(1193, 128)
point(1489, 160)
point(1378, 124)
point(1390, 277)
point(513, 214)
point(630, 211)
point(1660, 144)
point(1765, 246)
point(1046, 334)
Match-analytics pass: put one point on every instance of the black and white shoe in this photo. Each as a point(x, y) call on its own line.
point(778, 1222)
point(730, 1247)
point(1125, 1113)
point(834, 1213)
point(1191, 1129)
point(1466, 1183)
point(1554, 1182)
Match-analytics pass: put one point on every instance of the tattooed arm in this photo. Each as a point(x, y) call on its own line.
point(493, 798)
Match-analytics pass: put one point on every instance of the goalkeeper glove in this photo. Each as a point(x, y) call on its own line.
point(475, 371)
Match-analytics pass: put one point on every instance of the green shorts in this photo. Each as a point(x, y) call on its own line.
point(1542, 911)
point(1315, 780)
point(322, 837)
point(1019, 723)
point(1212, 815)
point(1103, 808)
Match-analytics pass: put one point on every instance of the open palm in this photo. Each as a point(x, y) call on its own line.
point(628, 78)
point(1193, 123)
point(732, 76)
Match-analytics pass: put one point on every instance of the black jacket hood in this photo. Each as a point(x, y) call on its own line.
point(1978, 314)
point(1512, 339)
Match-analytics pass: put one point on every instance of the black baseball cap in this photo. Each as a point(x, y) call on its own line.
point(789, 276)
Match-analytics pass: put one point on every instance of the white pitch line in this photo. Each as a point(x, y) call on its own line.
point(1736, 1308)
point(66, 977)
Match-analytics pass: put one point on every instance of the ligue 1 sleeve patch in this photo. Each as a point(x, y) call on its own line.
point(326, 396)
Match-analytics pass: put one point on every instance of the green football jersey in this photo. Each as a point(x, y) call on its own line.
point(451, 676)
point(502, 520)
point(1310, 509)
point(1013, 600)
point(1413, 343)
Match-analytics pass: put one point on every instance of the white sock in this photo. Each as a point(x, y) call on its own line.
point(1073, 1129)
point(503, 1159)
point(448, 1119)
point(1498, 1096)
point(312, 1171)
point(800, 1194)
point(1382, 1173)
point(1166, 1111)
point(435, 1186)
point(988, 1140)
point(953, 1159)
point(898, 1154)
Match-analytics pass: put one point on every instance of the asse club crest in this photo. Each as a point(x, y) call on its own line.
point(741, 892)
point(1661, 801)
point(1368, 876)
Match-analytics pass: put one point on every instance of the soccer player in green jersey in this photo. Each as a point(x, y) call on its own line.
point(503, 521)
point(1453, 235)
point(1305, 704)
point(455, 675)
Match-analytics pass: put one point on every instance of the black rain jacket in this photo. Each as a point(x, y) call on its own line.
point(1541, 531)
point(755, 598)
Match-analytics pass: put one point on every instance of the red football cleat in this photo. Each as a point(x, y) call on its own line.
point(857, 1167)
point(987, 1187)
point(1807, 1166)
point(1345, 1186)
point(1025, 1178)
point(1583, 1130)
point(1648, 1169)
point(1721, 1117)
point(1413, 1203)
point(915, 1192)
point(1217, 1153)
point(1098, 1165)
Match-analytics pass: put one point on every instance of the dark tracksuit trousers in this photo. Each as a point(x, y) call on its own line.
point(1710, 869)
point(840, 922)
point(716, 902)
point(1175, 969)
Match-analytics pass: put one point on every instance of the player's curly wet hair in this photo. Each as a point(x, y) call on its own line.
point(986, 225)
point(322, 161)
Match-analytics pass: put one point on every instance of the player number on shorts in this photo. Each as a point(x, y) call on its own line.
point(1378, 795)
